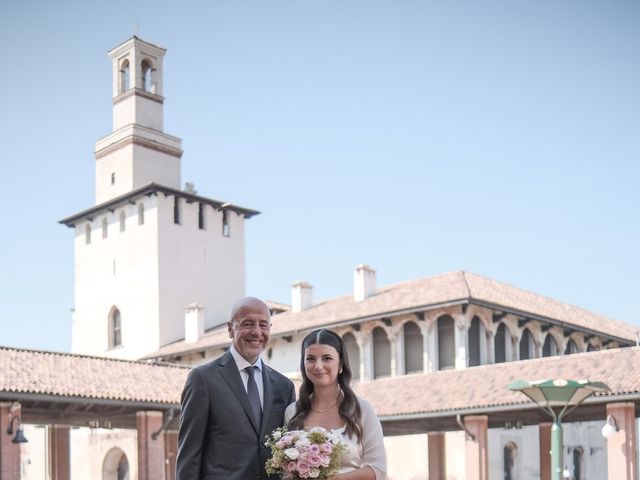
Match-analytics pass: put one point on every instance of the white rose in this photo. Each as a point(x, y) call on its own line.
point(292, 453)
point(314, 473)
point(276, 435)
point(302, 442)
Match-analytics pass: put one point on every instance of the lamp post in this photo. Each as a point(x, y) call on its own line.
point(563, 394)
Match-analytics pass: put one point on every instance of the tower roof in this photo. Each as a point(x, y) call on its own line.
point(153, 189)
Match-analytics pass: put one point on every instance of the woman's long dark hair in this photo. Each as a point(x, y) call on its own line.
point(349, 407)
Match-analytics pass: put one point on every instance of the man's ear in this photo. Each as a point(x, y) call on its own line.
point(230, 329)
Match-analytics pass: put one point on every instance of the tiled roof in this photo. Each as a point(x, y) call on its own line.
point(486, 386)
point(419, 295)
point(68, 375)
point(80, 376)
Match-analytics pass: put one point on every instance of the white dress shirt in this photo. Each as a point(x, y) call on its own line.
point(242, 363)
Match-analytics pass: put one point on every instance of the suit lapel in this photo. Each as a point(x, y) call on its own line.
point(231, 375)
point(268, 386)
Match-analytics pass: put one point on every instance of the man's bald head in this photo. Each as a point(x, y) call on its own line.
point(250, 327)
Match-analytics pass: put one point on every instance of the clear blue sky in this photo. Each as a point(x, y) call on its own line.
point(498, 137)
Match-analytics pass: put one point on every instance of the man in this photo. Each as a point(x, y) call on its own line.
point(230, 404)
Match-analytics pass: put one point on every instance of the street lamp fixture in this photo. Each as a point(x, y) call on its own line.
point(19, 437)
point(563, 395)
point(610, 427)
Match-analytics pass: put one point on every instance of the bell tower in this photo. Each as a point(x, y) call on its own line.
point(154, 264)
point(137, 152)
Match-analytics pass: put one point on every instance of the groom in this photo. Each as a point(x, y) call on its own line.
point(230, 404)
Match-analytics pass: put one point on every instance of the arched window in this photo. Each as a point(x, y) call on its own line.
point(591, 347)
point(526, 345)
point(122, 221)
point(510, 454)
point(381, 353)
point(105, 227)
point(474, 342)
point(115, 328)
point(115, 465)
point(141, 213)
point(413, 345)
point(87, 233)
point(550, 347)
point(125, 78)
point(446, 343)
point(500, 344)
point(351, 344)
point(147, 71)
point(571, 348)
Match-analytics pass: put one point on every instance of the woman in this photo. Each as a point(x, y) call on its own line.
point(326, 400)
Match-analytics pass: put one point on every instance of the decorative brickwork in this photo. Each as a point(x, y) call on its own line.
point(621, 446)
point(476, 449)
point(59, 452)
point(9, 452)
point(437, 456)
point(151, 465)
point(544, 433)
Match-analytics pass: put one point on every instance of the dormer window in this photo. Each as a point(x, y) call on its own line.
point(125, 78)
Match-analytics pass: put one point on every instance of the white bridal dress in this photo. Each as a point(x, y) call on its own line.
point(370, 452)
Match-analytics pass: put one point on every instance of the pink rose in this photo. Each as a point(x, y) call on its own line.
point(314, 449)
point(314, 460)
point(303, 468)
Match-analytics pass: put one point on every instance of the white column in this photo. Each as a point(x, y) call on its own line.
point(361, 357)
point(492, 348)
point(513, 349)
point(394, 355)
point(461, 332)
point(432, 349)
point(483, 344)
point(399, 347)
point(366, 359)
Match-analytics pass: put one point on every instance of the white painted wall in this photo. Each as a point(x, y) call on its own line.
point(197, 266)
point(407, 457)
point(134, 167)
point(285, 355)
point(151, 273)
point(89, 448)
point(32, 454)
point(120, 270)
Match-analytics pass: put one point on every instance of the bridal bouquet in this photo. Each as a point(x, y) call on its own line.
point(297, 454)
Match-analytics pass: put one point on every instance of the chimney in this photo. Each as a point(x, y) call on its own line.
point(301, 296)
point(364, 282)
point(193, 323)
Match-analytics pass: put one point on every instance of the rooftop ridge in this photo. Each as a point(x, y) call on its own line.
point(146, 362)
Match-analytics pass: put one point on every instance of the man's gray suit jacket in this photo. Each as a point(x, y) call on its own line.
point(218, 437)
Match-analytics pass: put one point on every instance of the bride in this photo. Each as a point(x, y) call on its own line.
point(326, 400)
